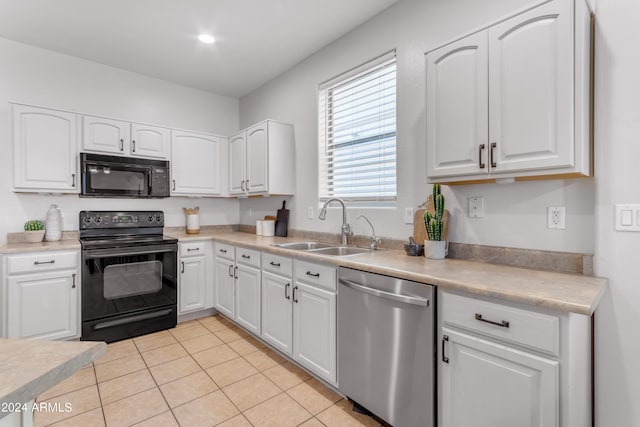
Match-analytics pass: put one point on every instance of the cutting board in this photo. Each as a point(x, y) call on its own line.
point(282, 221)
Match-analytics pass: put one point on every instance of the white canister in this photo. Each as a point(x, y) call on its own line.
point(259, 227)
point(53, 224)
point(193, 224)
point(268, 227)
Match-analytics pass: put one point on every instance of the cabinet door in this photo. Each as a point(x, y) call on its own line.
point(257, 159)
point(237, 160)
point(314, 329)
point(103, 135)
point(248, 300)
point(44, 147)
point(195, 166)
point(485, 384)
point(43, 306)
point(531, 90)
point(150, 141)
point(193, 280)
point(277, 327)
point(457, 108)
point(225, 294)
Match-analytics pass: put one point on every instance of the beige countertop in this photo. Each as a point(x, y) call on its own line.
point(30, 367)
point(556, 291)
point(12, 248)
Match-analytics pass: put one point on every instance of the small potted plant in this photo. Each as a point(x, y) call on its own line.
point(435, 247)
point(34, 231)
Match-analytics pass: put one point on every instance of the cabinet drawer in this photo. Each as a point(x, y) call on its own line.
point(36, 262)
point(277, 264)
point(322, 276)
point(225, 251)
point(530, 329)
point(248, 257)
point(192, 248)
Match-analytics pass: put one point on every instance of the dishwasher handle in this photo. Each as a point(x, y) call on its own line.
point(384, 294)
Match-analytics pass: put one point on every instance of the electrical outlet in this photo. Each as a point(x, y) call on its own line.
point(476, 207)
point(556, 217)
point(310, 212)
point(408, 215)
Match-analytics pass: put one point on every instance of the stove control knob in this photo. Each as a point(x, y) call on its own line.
point(87, 220)
point(150, 218)
point(158, 218)
point(98, 220)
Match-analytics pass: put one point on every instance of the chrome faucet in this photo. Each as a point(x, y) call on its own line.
point(374, 240)
point(346, 229)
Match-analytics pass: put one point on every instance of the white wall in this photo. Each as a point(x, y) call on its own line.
point(41, 77)
point(515, 214)
point(617, 181)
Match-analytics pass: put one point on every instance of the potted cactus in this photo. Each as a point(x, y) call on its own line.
point(435, 247)
point(33, 231)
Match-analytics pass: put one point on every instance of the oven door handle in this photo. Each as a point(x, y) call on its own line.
point(111, 252)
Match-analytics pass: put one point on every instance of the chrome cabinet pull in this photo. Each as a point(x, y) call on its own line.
point(313, 274)
point(231, 270)
point(192, 249)
point(73, 277)
point(121, 144)
point(493, 147)
point(224, 251)
point(481, 164)
point(246, 256)
point(275, 264)
point(235, 272)
point(133, 142)
point(53, 261)
point(294, 294)
point(286, 288)
point(502, 324)
point(246, 185)
point(445, 339)
point(174, 184)
point(73, 180)
point(242, 185)
point(182, 271)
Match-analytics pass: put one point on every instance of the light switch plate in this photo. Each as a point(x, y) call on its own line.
point(408, 215)
point(627, 217)
point(476, 207)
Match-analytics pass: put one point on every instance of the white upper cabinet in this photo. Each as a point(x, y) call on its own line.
point(457, 107)
point(531, 96)
point(121, 138)
point(45, 150)
point(150, 141)
point(261, 160)
point(195, 163)
point(513, 100)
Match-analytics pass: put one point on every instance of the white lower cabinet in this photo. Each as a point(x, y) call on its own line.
point(225, 287)
point(42, 301)
point(248, 298)
point(195, 290)
point(504, 365)
point(299, 312)
point(487, 384)
point(314, 329)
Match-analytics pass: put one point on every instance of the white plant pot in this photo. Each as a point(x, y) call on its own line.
point(435, 249)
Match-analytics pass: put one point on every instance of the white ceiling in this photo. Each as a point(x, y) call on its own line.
point(256, 40)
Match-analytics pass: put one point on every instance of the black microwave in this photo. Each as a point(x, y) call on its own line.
point(114, 176)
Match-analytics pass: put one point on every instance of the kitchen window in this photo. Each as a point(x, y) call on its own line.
point(357, 134)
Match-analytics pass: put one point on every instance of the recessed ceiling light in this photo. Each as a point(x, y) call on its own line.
point(206, 38)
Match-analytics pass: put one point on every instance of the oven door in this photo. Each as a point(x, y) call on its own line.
point(123, 286)
point(111, 179)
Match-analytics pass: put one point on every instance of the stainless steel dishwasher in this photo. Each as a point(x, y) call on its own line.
point(386, 346)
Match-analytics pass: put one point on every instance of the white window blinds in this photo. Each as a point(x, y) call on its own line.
point(357, 140)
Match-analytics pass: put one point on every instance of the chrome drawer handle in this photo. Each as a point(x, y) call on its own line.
point(224, 251)
point(275, 264)
point(246, 256)
point(192, 249)
point(502, 324)
point(313, 274)
point(53, 261)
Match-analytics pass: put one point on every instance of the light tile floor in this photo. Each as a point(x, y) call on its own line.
point(205, 372)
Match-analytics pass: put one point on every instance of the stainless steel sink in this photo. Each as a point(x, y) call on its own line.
point(340, 251)
point(303, 246)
